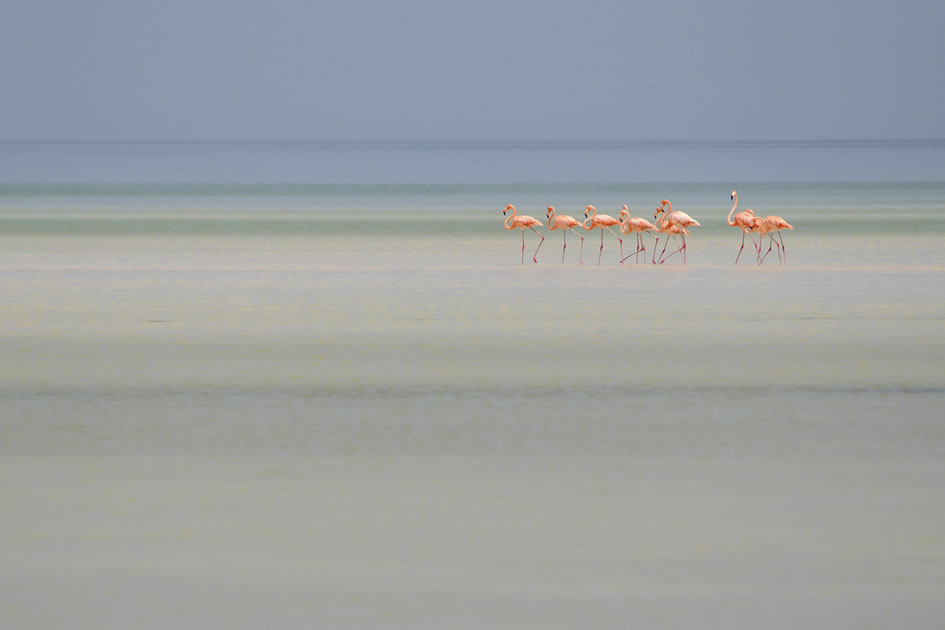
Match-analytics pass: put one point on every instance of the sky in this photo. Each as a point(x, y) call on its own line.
point(484, 70)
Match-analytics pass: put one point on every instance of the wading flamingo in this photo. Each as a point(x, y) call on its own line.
point(745, 221)
point(523, 222)
point(670, 218)
point(638, 225)
point(564, 223)
point(601, 222)
point(770, 225)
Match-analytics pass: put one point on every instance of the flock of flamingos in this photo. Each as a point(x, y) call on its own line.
point(669, 223)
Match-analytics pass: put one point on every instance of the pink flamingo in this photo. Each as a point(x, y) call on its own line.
point(744, 220)
point(638, 225)
point(670, 218)
point(564, 223)
point(771, 224)
point(523, 222)
point(601, 222)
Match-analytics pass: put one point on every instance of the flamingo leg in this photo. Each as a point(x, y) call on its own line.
point(565, 234)
point(740, 248)
point(665, 243)
point(618, 238)
point(656, 243)
point(540, 243)
point(637, 252)
point(643, 245)
point(523, 247)
point(771, 240)
point(629, 255)
point(777, 247)
point(668, 256)
point(601, 252)
point(581, 259)
point(684, 259)
point(782, 247)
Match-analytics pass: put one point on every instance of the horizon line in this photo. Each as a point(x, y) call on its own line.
point(493, 141)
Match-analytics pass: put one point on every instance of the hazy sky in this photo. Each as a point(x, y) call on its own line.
point(433, 70)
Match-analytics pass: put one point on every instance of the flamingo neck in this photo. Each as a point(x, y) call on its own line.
point(735, 205)
point(508, 220)
point(590, 218)
point(551, 219)
point(661, 225)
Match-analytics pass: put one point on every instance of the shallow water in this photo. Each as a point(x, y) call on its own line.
point(233, 404)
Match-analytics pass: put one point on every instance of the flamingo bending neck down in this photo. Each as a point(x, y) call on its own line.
point(564, 223)
point(770, 225)
point(523, 222)
point(638, 225)
point(744, 221)
point(601, 222)
point(667, 223)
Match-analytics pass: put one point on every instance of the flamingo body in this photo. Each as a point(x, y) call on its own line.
point(673, 223)
point(564, 223)
point(745, 221)
point(523, 222)
point(637, 225)
point(601, 222)
point(771, 225)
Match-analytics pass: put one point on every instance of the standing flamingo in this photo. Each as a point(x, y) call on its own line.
point(668, 219)
point(523, 222)
point(601, 222)
point(629, 225)
point(771, 224)
point(744, 220)
point(564, 223)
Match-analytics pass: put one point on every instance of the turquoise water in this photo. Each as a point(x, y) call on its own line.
point(204, 345)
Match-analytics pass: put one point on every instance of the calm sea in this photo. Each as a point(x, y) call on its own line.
point(314, 379)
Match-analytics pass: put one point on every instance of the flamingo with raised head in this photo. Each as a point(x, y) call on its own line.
point(670, 218)
point(745, 221)
point(564, 223)
point(601, 222)
point(770, 225)
point(638, 225)
point(523, 222)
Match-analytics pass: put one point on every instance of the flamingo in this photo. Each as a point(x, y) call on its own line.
point(629, 225)
point(564, 223)
point(602, 222)
point(744, 220)
point(771, 223)
point(673, 218)
point(523, 222)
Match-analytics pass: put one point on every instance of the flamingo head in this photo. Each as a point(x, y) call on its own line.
point(734, 194)
point(624, 214)
point(587, 211)
point(551, 211)
point(658, 212)
point(507, 208)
